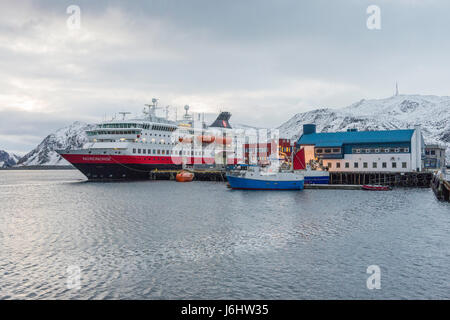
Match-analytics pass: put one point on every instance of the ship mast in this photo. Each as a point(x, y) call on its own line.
point(151, 108)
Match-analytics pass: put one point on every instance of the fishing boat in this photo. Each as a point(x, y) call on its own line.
point(375, 187)
point(312, 176)
point(253, 177)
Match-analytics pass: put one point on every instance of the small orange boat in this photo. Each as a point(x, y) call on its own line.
point(184, 176)
point(223, 140)
point(206, 139)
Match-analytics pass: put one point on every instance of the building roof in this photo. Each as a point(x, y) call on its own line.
point(335, 139)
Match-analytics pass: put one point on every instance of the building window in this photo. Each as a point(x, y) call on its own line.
point(404, 165)
point(394, 164)
point(364, 164)
point(347, 164)
point(374, 165)
point(338, 165)
point(355, 165)
point(329, 165)
point(384, 165)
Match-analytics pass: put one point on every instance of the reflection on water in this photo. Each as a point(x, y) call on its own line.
point(162, 239)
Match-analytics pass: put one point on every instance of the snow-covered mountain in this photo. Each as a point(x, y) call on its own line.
point(7, 159)
point(70, 137)
point(397, 112)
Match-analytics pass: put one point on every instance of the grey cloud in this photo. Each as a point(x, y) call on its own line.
point(262, 60)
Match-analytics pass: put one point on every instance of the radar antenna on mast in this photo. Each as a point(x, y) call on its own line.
point(151, 108)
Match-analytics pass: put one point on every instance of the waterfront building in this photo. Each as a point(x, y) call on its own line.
point(364, 151)
point(258, 153)
point(434, 157)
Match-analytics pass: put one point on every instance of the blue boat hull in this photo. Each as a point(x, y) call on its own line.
point(253, 184)
point(317, 180)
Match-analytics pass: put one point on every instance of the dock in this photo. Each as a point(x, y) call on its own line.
point(199, 175)
point(393, 179)
point(338, 180)
point(333, 186)
point(441, 186)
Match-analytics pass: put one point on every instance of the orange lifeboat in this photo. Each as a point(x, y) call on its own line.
point(223, 140)
point(185, 139)
point(206, 139)
point(184, 176)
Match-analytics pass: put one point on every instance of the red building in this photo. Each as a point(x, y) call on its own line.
point(261, 152)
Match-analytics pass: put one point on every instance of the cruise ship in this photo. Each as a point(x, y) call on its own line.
point(130, 149)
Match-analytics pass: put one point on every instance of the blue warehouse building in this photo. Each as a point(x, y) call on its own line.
point(364, 151)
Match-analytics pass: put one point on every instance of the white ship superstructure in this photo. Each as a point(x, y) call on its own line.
point(129, 149)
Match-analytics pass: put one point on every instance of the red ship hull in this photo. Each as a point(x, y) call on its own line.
point(127, 167)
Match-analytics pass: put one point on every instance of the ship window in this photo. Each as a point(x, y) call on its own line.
point(159, 151)
point(403, 164)
point(384, 165)
point(357, 150)
point(134, 150)
point(397, 150)
point(327, 150)
point(386, 150)
point(144, 151)
point(139, 150)
point(336, 150)
point(319, 150)
point(394, 164)
point(149, 151)
point(406, 149)
point(377, 150)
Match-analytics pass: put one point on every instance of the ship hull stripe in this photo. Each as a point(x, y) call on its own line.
point(125, 159)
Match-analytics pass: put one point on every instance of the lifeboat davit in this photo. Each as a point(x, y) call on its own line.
point(184, 176)
point(206, 139)
point(185, 139)
point(223, 140)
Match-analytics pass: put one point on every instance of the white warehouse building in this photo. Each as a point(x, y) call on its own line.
point(364, 151)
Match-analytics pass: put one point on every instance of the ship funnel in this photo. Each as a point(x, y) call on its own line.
point(222, 121)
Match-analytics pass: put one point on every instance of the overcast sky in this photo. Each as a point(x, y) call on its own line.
point(261, 60)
